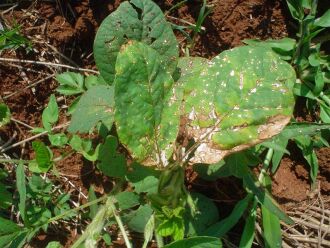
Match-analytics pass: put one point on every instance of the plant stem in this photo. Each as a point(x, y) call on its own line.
point(55, 160)
point(60, 216)
point(14, 161)
point(266, 163)
point(159, 240)
point(113, 209)
point(325, 98)
point(176, 6)
point(96, 226)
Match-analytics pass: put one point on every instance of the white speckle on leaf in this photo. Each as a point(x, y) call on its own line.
point(232, 73)
point(192, 114)
point(241, 81)
point(213, 114)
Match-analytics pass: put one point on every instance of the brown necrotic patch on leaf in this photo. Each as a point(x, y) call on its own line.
point(235, 101)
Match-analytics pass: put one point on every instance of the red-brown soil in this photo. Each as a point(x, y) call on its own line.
point(69, 27)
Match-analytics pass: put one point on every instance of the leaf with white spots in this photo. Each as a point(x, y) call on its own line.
point(240, 98)
point(140, 20)
point(147, 106)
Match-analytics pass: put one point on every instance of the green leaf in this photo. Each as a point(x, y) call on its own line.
point(127, 200)
point(59, 139)
point(323, 21)
point(84, 146)
point(233, 103)
point(295, 129)
point(138, 219)
point(277, 156)
point(170, 222)
point(285, 44)
point(97, 104)
point(319, 81)
point(147, 119)
point(8, 227)
point(140, 20)
point(43, 156)
point(92, 80)
point(149, 231)
point(296, 9)
point(6, 198)
point(206, 215)
point(144, 179)
point(107, 239)
point(4, 114)
point(314, 59)
point(21, 188)
point(50, 113)
point(305, 143)
point(54, 244)
point(325, 113)
point(249, 228)
point(6, 240)
point(265, 198)
point(93, 208)
point(112, 163)
point(233, 165)
point(271, 229)
point(212, 172)
point(221, 228)
point(71, 83)
point(80, 145)
point(303, 90)
point(196, 242)
point(276, 147)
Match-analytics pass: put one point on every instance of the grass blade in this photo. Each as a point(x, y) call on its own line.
point(248, 232)
point(264, 198)
point(222, 227)
point(21, 187)
point(272, 229)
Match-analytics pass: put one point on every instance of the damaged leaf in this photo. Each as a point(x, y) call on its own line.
point(147, 114)
point(140, 20)
point(239, 99)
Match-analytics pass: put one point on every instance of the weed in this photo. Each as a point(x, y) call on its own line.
point(12, 39)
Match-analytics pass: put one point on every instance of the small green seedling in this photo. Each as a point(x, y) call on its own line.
point(4, 114)
point(12, 39)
